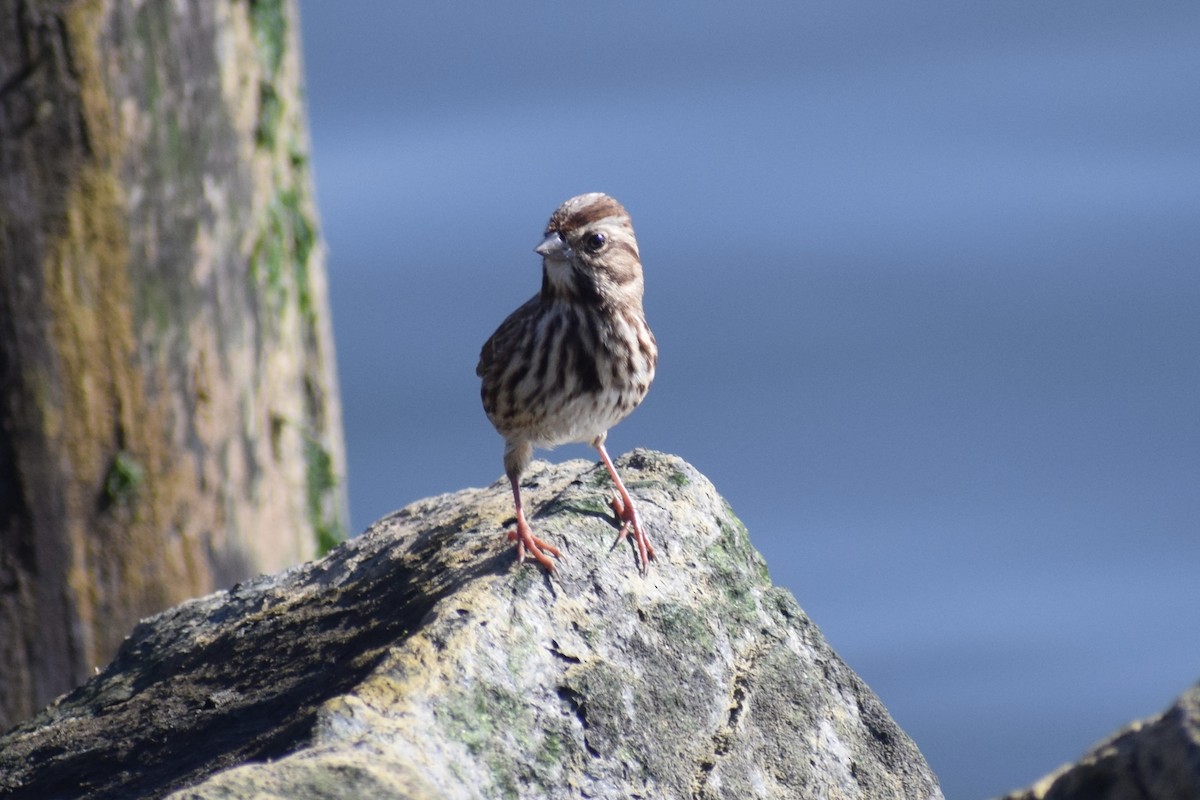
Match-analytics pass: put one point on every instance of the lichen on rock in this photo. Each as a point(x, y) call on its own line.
point(418, 660)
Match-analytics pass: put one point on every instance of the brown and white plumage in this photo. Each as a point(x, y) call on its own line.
point(577, 357)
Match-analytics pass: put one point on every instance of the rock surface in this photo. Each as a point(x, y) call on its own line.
point(419, 661)
point(1153, 759)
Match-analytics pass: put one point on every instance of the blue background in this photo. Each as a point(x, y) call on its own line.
point(925, 279)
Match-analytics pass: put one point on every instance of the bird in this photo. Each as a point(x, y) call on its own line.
point(575, 359)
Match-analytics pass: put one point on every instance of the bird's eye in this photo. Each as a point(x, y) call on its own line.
point(594, 242)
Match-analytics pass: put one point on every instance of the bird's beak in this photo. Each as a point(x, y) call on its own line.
point(553, 246)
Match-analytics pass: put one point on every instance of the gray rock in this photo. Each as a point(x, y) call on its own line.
point(419, 661)
point(1153, 759)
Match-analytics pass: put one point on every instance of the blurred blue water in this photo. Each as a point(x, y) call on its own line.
point(925, 282)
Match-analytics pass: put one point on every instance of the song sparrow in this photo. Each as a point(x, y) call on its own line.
point(576, 358)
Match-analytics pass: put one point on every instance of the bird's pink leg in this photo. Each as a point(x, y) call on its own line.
point(622, 506)
point(525, 538)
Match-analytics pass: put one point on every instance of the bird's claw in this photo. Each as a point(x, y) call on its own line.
point(630, 521)
point(538, 549)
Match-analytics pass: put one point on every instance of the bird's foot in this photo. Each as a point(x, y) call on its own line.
point(630, 521)
point(526, 541)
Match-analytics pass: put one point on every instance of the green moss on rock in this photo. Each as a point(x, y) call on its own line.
point(125, 477)
point(268, 18)
point(270, 115)
point(321, 485)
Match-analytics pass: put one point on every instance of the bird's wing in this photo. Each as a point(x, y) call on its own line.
point(501, 343)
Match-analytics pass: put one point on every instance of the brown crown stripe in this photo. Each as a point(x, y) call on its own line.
point(565, 220)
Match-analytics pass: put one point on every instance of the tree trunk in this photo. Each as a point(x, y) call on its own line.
point(169, 420)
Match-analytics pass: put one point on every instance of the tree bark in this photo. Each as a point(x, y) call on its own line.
point(169, 420)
